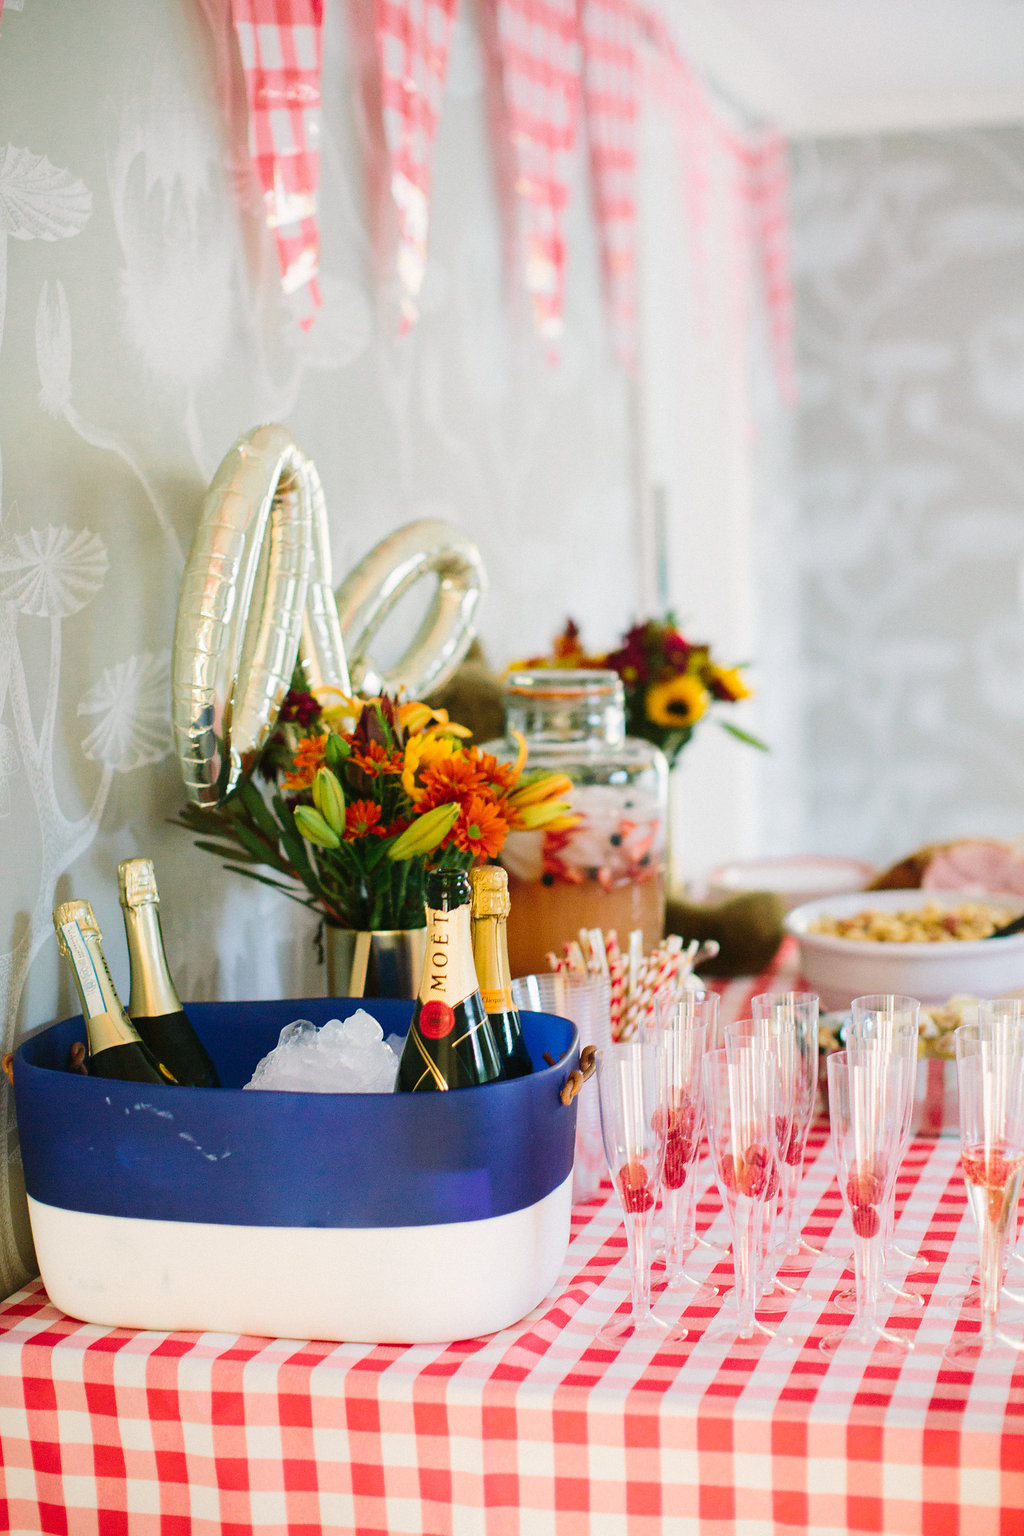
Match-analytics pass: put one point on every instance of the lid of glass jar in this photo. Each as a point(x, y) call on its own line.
point(578, 703)
point(570, 682)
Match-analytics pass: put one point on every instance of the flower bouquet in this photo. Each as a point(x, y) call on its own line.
point(670, 683)
point(363, 796)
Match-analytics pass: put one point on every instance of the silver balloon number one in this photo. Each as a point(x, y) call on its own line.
point(256, 599)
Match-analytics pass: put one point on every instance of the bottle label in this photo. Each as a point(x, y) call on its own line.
point(85, 969)
point(448, 972)
point(496, 999)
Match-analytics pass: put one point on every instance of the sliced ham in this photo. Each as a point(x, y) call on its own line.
point(975, 865)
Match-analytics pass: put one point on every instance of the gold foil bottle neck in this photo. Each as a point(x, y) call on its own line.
point(136, 883)
point(490, 891)
point(79, 912)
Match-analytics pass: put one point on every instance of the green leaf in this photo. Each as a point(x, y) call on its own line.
point(746, 736)
point(276, 885)
point(248, 795)
point(227, 851)
point(291, 842)
point(257, 846)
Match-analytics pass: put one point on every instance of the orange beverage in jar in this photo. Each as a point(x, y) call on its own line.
point(607, 871)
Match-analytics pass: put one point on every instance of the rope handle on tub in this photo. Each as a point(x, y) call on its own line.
point(574, 1082)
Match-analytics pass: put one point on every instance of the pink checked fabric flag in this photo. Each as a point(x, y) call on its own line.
point(413, 43)
point(539, 56)
point(611, 33)
point(280, 44)
point(767, 197)
point(757, 168)
point(669, 80)
point(757, 179)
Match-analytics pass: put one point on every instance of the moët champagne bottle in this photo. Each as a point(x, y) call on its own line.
point(153, 1002)
point(491, 905)
point(450, 1042)
point(115, 1047)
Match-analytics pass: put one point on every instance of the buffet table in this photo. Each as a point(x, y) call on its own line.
point(533, 1430)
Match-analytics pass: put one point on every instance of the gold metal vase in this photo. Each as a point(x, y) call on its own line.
point(387, 962)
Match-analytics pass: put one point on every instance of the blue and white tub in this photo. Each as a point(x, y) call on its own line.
point(385, 1218)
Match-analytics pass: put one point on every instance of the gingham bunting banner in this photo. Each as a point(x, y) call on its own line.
point(539, 58)
point(767, 199)
point(280, 44)
point(611, 33)
point(413, 42)
point(758, 170)
point(670, 81)
point(758, 245)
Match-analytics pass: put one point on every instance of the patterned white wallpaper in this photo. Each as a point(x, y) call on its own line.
point(143, 329)
point(910, 468)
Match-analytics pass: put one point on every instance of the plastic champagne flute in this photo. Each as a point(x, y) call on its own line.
point(797, 1012)
point(686, 1025)
point(990, 1083)
point(866, 1088)
point(632, 1089)
point(771, 1033)
point(739, 1100)
point(691, 1240)
point(1006, 1016)
point(894, 1020)
point(890, 1022)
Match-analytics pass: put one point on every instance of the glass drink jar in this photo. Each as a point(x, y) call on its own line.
point(608, 872)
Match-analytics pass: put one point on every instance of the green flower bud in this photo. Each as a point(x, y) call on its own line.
point(336, 751)
point(313, 827)
point(329, 799)
point(425, 833)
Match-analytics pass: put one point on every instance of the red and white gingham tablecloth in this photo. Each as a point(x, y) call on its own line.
point(536, 1430)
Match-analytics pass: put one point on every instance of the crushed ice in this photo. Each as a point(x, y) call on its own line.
point(344, 1056)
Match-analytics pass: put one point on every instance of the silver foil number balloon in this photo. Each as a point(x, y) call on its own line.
point(256, 585)
point(256, 600)
point(366, 597)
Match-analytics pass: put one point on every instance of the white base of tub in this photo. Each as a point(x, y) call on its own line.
point(377, 1285)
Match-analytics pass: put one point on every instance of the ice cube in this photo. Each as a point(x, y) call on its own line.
point(344, 1056)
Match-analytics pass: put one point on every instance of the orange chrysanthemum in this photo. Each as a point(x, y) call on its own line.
point(500, 776)
point(309, 756)
point(481, 828)
point(451, 779)
point(362, 819)
point(375, 760)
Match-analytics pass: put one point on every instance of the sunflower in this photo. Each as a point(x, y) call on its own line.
point(676, 703)
point(728, 683)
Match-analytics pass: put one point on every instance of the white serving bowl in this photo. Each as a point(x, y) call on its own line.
point(841, 969)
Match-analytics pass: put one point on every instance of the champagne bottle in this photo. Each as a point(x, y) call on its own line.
point(115, 1048)
point(154, 1006)
point(491, 905)
point(450, 1042)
